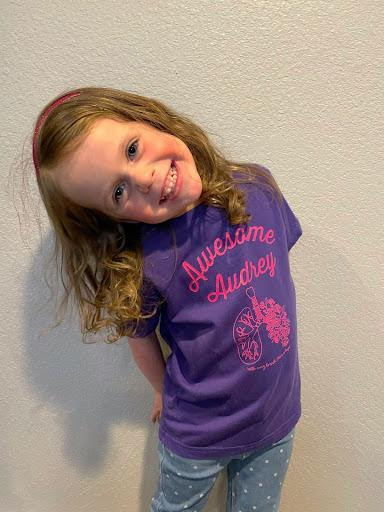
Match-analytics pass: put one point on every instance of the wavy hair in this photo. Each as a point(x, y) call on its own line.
point(99, 259)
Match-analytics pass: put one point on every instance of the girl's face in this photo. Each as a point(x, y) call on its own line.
point(131, 171)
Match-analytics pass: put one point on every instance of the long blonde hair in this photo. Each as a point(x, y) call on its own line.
point(99, 259)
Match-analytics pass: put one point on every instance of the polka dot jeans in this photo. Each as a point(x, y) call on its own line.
point(255, 479)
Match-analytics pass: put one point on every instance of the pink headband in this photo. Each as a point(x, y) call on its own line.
point(40, 122)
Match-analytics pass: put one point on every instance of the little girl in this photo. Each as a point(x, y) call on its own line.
point(155, 226)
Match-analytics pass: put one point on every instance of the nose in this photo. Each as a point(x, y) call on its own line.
point(142, 177)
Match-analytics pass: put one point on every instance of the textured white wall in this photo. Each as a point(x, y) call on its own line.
point(295, 85)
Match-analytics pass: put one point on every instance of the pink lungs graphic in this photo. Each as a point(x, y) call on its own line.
point(246, 329)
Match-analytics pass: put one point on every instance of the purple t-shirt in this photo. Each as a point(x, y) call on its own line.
point(232, 381)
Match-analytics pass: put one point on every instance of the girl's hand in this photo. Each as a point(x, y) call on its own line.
point(157, 407)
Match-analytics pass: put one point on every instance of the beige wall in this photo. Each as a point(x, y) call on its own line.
point(294, 85)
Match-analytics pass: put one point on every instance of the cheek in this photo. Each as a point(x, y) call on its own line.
point(175, 145)
point(140, 211)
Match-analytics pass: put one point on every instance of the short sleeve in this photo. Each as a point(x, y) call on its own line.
point(292, 225)
point(150, 301)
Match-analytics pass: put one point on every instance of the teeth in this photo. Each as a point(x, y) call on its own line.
point(170, 183)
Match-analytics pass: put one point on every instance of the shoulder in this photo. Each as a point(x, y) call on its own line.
point(257, 180)
point(270, 197)
point(254, 174)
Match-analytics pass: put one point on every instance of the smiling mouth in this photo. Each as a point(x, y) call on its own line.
point(170, 182)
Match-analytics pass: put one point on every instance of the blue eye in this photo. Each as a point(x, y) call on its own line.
point(131, 150)
point(118, 194)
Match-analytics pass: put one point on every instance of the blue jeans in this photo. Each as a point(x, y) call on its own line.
point(255, 479)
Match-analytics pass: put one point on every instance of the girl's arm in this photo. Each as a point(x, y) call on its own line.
point(148, 356)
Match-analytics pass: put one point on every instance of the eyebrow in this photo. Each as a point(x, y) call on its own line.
point(107, 201)
point(122, 145)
